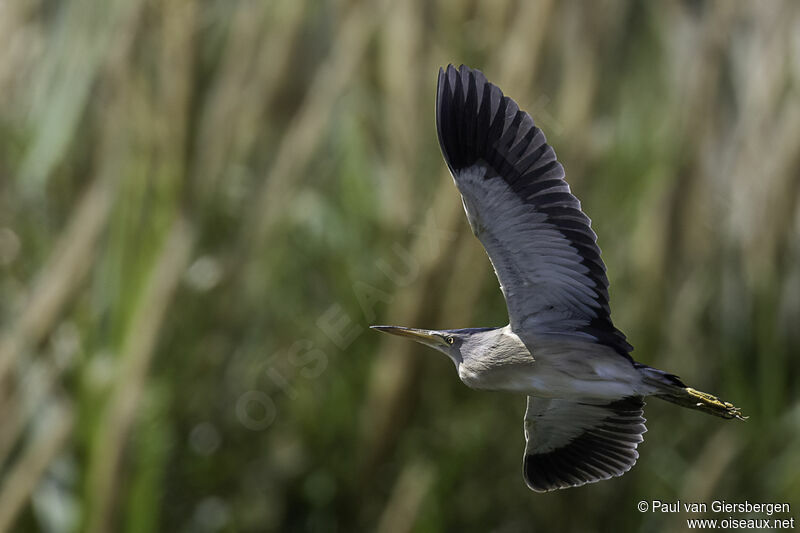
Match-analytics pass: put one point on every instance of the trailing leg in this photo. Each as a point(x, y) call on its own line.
point(670, 388)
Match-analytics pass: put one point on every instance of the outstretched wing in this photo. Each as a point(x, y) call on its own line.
point(571, 443)
point(518, 204)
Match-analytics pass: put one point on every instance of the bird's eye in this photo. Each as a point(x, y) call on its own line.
point(449, 340)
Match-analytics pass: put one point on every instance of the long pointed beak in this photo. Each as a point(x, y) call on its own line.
point(423, 336)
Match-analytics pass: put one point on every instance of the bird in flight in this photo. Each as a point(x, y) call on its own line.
point(585, 393)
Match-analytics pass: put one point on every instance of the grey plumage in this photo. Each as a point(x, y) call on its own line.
point(585, 392)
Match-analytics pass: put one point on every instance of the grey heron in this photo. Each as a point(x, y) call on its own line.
point(585, 393)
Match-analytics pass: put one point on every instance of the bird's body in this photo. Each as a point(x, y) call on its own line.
point(585, 392)
point(497, 359)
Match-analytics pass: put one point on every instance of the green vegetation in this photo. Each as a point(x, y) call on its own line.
point(203, 204)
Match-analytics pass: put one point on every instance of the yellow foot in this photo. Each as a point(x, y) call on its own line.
point(712, 404)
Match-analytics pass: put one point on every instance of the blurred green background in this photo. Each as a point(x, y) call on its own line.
point(203, 204)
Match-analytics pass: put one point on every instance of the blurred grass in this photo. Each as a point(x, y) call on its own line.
point(204, 204)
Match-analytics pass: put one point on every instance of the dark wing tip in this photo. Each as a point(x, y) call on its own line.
point(476, 121)
point(606, 450)
point(470, 115)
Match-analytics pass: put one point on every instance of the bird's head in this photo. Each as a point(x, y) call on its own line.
point(449, 342)
point(457, 344)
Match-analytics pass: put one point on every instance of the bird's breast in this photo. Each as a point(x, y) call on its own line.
point(499, 365)
point(512, 377)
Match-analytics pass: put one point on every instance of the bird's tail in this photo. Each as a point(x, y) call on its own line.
point(670, 388)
